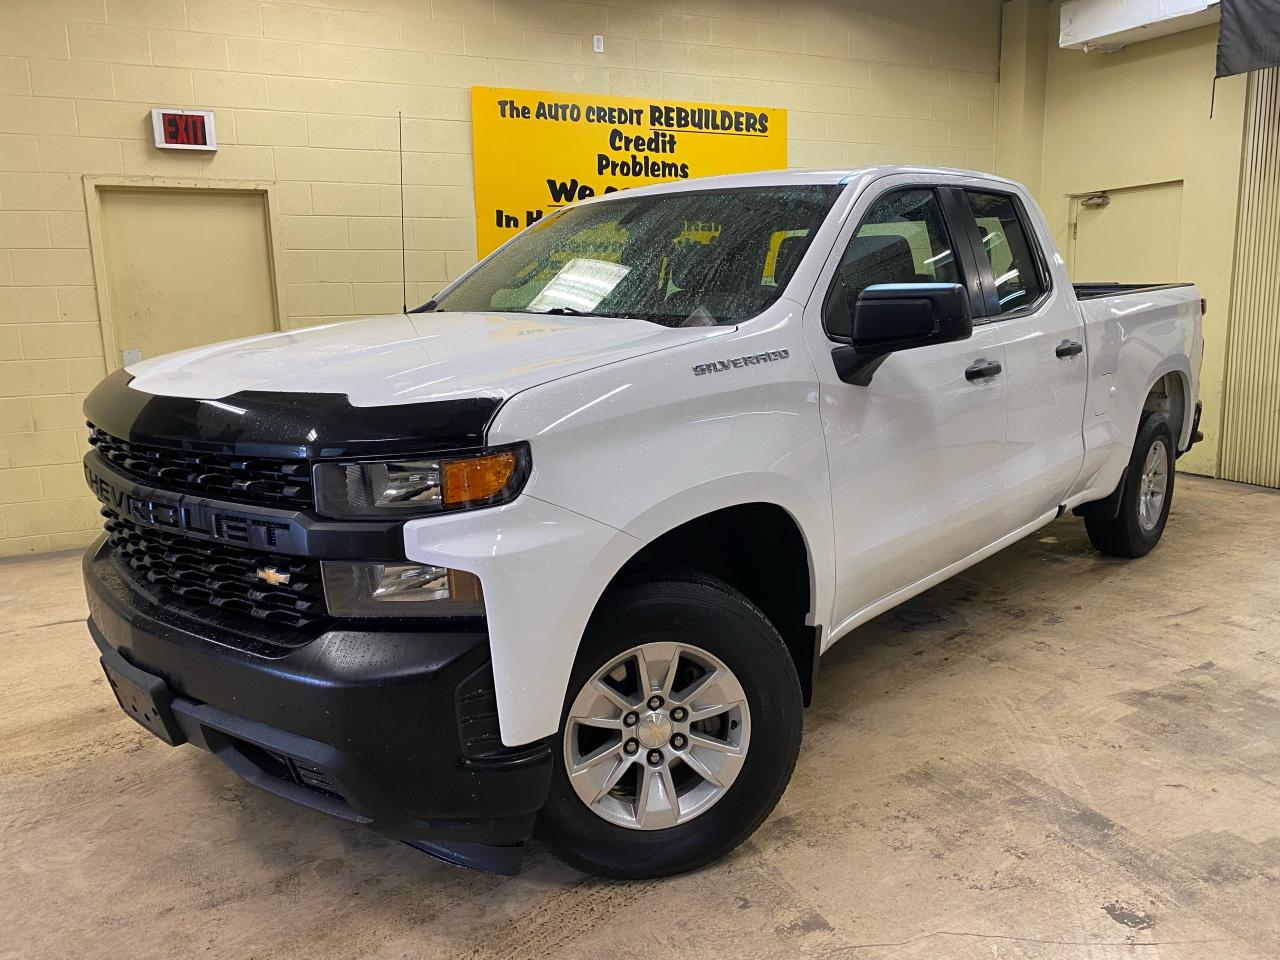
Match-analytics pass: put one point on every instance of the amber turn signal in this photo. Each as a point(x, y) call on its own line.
point(477, 479)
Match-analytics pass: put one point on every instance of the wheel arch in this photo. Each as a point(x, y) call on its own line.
point(758, 548)
point(1170, 394)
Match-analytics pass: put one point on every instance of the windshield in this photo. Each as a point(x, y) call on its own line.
point(692, 258)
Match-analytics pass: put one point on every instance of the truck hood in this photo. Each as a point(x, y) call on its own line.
point(410, 358)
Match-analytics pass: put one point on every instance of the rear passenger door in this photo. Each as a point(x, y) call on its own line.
point(1045, 351)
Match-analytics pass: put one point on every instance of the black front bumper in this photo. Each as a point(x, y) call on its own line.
point(364, 725)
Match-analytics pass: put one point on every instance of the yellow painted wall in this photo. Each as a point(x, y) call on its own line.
point(1138, 116)
point(306, 96)
point(1026, 39)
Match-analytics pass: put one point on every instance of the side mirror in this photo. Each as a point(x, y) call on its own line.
point(889, 317)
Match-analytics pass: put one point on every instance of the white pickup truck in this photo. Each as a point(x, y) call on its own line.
point(558, 551)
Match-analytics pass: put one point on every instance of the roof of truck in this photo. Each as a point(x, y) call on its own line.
point(777, 178)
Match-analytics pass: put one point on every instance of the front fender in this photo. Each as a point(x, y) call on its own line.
point(542, 568)
point(622, 454)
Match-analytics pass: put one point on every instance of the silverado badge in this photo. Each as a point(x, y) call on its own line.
point(715, 366)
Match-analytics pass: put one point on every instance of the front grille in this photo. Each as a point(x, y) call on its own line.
point(220, 576)
point(260, 480)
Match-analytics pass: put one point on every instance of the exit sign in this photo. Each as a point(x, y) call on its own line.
point(183, 129)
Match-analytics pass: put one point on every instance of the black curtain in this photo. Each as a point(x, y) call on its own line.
point(1248, 36)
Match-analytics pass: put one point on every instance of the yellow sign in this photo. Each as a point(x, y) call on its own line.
point(536, 151)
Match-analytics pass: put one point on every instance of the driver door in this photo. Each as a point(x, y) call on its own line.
point(916, 457)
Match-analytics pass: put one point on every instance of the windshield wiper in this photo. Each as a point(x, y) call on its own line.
point(565, 312)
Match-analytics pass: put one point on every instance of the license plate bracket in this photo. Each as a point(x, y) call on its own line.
point(144, 697)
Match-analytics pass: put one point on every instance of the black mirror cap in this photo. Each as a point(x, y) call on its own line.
point(898, 316)
point(889, 317)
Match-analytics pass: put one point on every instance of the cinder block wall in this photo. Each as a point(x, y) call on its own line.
point(306, 96)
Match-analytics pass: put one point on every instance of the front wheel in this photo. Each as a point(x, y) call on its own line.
point(1146, 498)
point(679, 734)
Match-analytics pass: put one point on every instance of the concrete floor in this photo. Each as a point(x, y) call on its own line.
point(1052, 755)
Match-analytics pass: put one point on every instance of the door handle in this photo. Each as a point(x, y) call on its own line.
point(982, 369)
point(1068, 348)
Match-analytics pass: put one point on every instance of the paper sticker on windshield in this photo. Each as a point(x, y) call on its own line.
point(580, 285)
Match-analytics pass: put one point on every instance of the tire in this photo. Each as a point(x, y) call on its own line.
point(1137, 528)
point(711, 626)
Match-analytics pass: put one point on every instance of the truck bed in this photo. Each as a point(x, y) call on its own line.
point(1091, 291)
point(1136, 335)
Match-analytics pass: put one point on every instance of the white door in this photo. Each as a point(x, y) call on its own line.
point(1047, 365)
point(916, 457)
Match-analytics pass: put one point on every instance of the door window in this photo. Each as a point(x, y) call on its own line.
point(1015, 265)
point(902, 239)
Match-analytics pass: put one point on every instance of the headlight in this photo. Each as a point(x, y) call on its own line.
point(399, 589)
point(412, 487)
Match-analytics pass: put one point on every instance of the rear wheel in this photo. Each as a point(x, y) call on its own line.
point(1147, 495)
point(680, 731)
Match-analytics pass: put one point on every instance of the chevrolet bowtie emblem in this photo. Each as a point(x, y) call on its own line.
point(272, 576)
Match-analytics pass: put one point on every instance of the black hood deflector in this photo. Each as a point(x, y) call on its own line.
point(292, 425)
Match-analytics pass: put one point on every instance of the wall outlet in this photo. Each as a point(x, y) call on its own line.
point(597, 42)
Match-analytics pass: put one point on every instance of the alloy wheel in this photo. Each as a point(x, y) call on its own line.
point(1153, 485)
point(657, 736)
